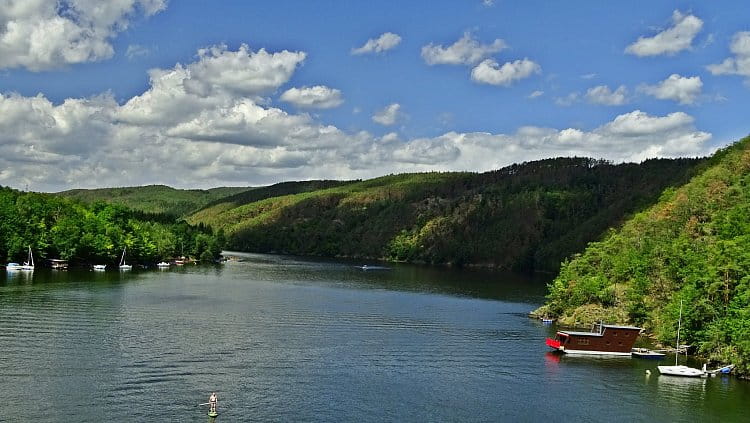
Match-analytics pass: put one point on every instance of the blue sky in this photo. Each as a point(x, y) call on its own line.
point(130, 92)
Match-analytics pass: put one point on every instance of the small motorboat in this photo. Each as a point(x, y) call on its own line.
point(100, 267)
point(162, 265)
point(646, 353)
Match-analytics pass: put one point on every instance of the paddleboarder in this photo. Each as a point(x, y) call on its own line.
point(212, 400)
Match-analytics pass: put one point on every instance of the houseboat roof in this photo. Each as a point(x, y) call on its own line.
point(601, 333)
point(622, 327)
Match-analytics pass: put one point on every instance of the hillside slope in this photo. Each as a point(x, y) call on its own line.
point(56, 227)
point(156, 199)
point(692, 246)
point(527, 216)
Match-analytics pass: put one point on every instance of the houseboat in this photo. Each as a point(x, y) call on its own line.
point(602, 340)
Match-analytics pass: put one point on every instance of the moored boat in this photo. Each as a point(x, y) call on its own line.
point(162, 265)
point(602, 340)
point(680, 370)
point(28, 265)
point(683, 371)
point(124, 266)
point(647, 353)
point(100, 267)
point(57, 264)
point(12, 267)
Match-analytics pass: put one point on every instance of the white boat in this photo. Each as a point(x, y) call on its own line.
point(28, 265)
point(684, 371)
point(124, 266)
point(162, 265)
point(676, 370)
point(12, 267)
point(100, 267)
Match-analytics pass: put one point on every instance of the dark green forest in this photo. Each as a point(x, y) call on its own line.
point(693, 246)
point(527, 216)
point(155, 199)
point(61, 228)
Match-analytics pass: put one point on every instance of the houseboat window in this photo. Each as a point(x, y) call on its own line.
point(627, 334)
point(619, 343)
point(607, 342)
point(583, 341)
point(614, 333)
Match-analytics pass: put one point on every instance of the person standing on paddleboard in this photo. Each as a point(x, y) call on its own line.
point(212, 400)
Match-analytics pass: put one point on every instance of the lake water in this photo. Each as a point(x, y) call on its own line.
point(286, 340)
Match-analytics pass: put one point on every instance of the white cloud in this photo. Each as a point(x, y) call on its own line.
point(241, 72)
point(171, 134)
point(317, 97)
point(740, 63)
point(669, 41)
point(488, 3)
point(535, 94)
point(490, 72)
point(389, 115)
point(568, 100)
point(465, 51)
point(135, 50)
point(43, 34)
point(684, 90)
point(603, 95)
point(384, 42)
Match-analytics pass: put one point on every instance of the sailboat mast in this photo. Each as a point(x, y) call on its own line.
point(679, 323)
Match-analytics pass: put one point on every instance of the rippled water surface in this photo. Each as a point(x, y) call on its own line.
point(281, 339)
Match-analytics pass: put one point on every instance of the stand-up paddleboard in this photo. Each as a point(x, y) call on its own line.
point(213, 414)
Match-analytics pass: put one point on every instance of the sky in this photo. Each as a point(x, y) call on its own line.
point(197, 94)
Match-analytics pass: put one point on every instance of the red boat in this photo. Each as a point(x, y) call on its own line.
point(602, 340)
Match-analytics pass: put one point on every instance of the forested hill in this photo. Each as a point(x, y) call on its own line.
point(155, 198)
point(526, 216)
point(85, 234)
point(692, 246)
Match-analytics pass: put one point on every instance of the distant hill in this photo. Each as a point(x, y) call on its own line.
point(692, 246)
point(156, 199)
point(526, 216)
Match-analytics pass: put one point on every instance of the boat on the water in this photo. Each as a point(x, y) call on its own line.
point(683, 371)
point(601, 340)
point(124, 266)
point(12, 267)
point(679, 370)
point(100, 267)
point(162, 265)
point(28, 265)
point(647, 353)
point(57, 264)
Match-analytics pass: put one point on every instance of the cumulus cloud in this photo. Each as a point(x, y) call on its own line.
point(42, 34)
point(388, 115)
point(603, 95)
point(684, 90)
point(670, 41)
point(465, 51)
point(739, 64)
point(490, 72)
point(241, 72)
point(384, 42)
point(226, 136)
point(317, 97)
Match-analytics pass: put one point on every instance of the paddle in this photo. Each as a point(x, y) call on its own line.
point(205, 403)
